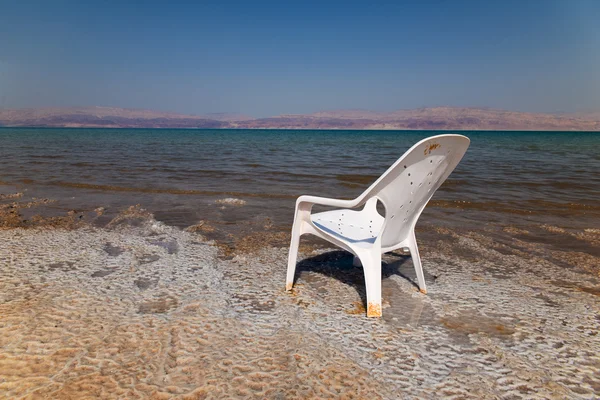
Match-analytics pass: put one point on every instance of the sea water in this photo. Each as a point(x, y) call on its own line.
point(522, 179)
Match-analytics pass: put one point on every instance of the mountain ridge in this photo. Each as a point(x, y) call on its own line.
point(425, 118)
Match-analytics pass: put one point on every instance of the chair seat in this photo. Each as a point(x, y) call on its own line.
point(357, 227)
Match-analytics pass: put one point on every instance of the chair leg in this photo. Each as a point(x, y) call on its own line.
point(371, 262)
point(293, 255)
point(416, 259)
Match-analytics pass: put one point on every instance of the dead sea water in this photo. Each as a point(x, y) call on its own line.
point(538, 182)
point(522, 178)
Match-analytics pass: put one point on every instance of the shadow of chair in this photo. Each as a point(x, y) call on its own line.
point(338, 264)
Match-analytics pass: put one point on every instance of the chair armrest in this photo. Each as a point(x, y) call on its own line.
point(324, 201)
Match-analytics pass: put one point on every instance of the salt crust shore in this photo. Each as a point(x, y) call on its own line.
point(143, 310)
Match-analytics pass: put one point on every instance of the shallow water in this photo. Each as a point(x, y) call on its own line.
point(522, 179)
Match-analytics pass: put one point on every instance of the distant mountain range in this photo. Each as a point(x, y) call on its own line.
point(436, 118)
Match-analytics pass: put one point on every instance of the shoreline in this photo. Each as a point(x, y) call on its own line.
point(234, 222)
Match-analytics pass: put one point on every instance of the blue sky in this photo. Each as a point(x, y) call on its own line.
point(271, 57)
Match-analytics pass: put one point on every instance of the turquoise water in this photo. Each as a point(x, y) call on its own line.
point(516, 178)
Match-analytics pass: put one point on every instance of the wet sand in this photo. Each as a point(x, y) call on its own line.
point(134, 308)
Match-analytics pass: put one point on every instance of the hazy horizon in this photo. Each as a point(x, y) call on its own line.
point(266, 58)
point(389, 110)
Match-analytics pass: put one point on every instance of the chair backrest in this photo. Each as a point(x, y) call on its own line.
point(406, 187)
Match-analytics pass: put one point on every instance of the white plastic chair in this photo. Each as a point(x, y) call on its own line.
point(404, 190)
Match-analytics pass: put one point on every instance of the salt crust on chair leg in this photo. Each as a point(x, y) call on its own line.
point(371, 262)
